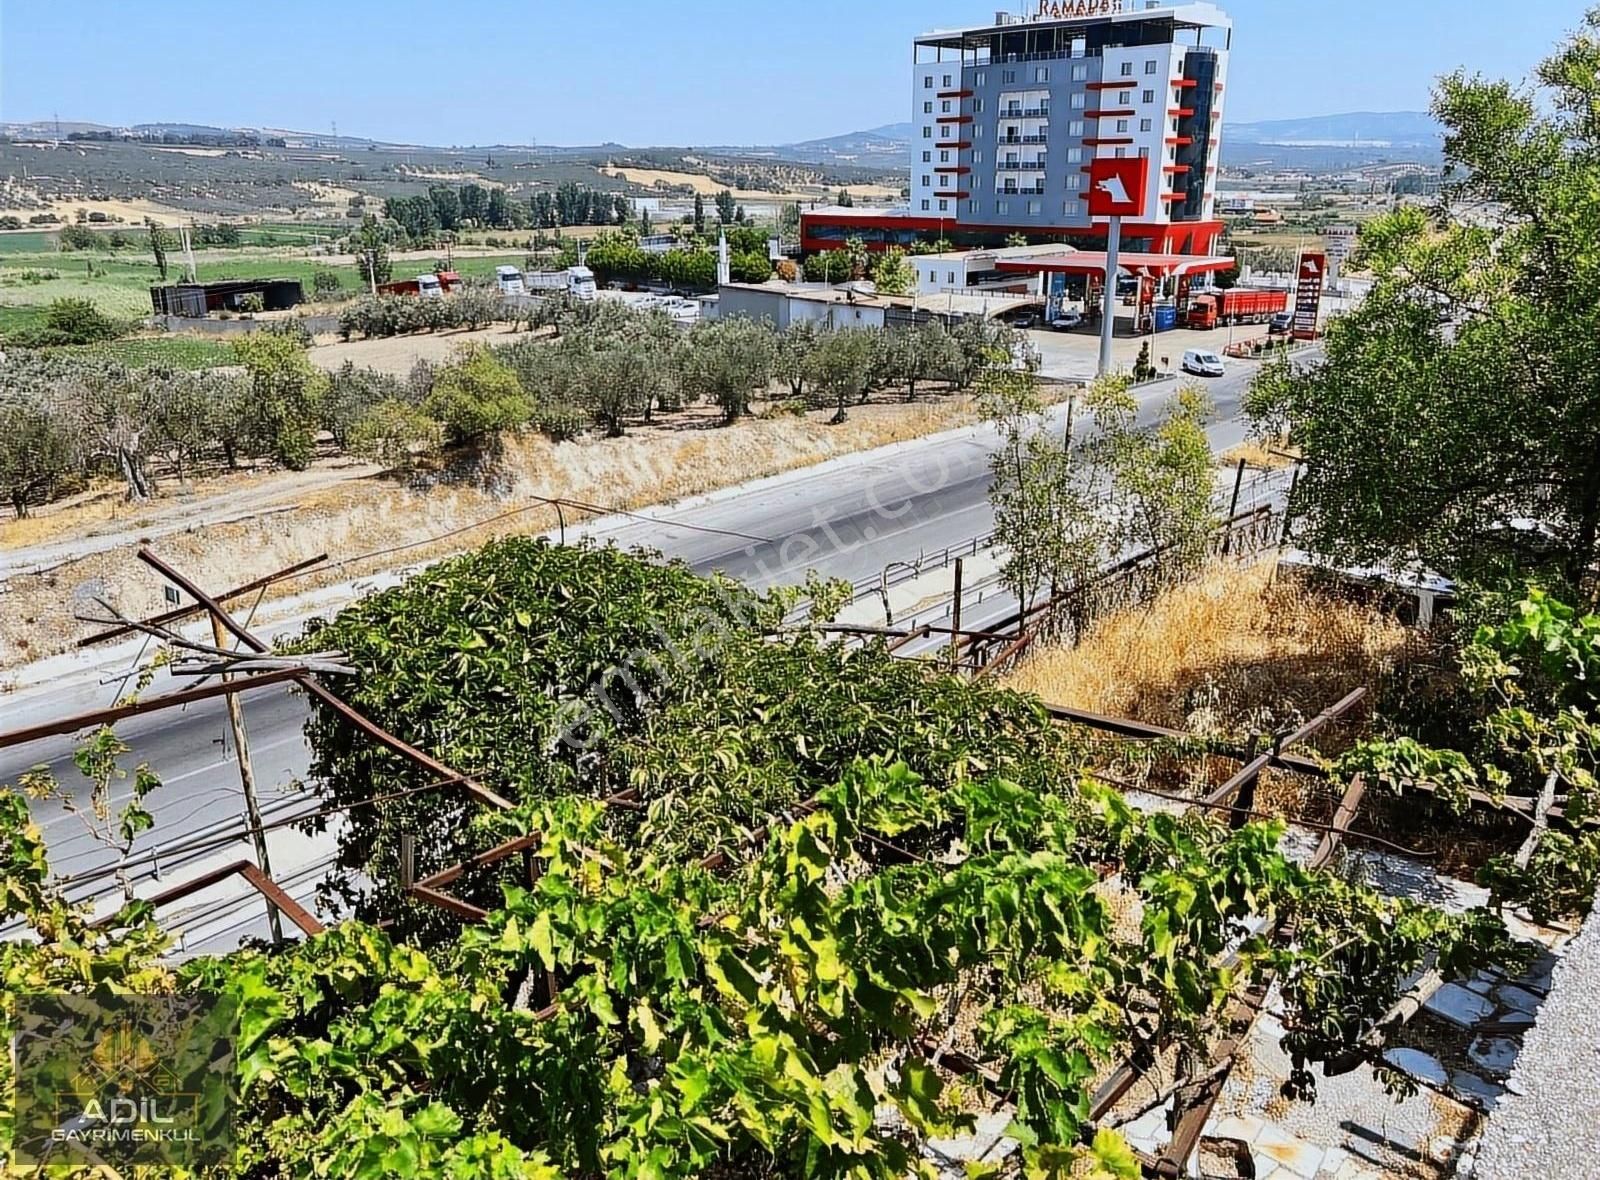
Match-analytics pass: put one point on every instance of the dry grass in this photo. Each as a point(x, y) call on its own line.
point(1227, 653)
point(363, 515)
point(1268, 456)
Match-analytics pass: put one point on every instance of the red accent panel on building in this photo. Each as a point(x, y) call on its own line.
point(954, 169)
point(1109, 114)
point(1175, 169)
point(1186, 83)
point(1121, 84)
point(1181, 112)
point(1100, 142)
point(1179, 141)
point(955, 94)
point(955, 118)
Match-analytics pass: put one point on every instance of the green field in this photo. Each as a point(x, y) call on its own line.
point(180, 352)
point(27, 242)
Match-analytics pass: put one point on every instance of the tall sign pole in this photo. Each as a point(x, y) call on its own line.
point(1108, 295)
point(1117, 189)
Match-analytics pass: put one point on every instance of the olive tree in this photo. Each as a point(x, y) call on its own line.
point(728, 362)
point(37, 448)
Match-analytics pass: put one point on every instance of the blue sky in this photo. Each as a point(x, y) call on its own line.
point(666, 72)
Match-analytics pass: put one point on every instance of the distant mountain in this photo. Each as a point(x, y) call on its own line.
point(1361, 129)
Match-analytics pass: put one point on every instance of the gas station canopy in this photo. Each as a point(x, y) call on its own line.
point(1093, 262)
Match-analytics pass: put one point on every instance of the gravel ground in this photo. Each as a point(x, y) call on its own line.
point(1549, 1125)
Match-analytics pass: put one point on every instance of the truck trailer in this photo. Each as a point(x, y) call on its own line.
point(1236, 306)
point(434, 286)
point(577, 281)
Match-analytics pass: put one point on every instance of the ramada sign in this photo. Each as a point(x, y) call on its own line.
point(1072, 9)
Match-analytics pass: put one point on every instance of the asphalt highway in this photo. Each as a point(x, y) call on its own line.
point(849, 518)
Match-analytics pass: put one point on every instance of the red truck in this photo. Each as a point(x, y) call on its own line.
point(434, 286)
point(1236, 306)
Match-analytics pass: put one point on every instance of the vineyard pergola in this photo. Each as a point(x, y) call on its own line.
point(1204, 1053)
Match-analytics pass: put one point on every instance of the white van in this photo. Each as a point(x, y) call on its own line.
point(1203, 362)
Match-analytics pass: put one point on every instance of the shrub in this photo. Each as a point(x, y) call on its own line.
point(325, 284)
point(391, 432)
point(475, 397)
point(252, 303)
point(560, 422)
point(77, 321)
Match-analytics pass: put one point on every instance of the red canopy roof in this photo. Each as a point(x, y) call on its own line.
point(1093, 262)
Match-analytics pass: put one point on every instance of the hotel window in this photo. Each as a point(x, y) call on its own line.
point(927, 157)
point(980, 78)
point(1122, 125)
point(1008, 76)
point(927, 108)
point(1150, 66)
point(1074, 155)
point(1035, 208)
point(972, 207)
point(1127, 69)
point(1075, 127)
point(944, 180)
point(944, 156)
point(1079, 73)
point(1122, 153)
point(950, 277)
point(944, 106)
point(924, 202)
point(977, 156)
point(927, 133)
point(927, 83)
point(947, 81)
point(1074, 181)
point(1144, 124)
point(1041, 73)
point(927, 182)
point(977, 132)
point(1124, 98)
point(1147, 96)
point(944, 206)
point(977, 105)
point(1078, 101)
point(1002, 207)
point(1144, 153)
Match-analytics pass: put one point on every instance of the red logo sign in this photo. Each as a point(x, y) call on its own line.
point(1117, 187)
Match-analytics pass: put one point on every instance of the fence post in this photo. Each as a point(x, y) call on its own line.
point(1233, 510)
point(1245, 801)
point(955, 617)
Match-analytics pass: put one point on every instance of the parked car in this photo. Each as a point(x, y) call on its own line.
point(1067, 321)
point(1025, 320)
point(1203, 363)
point(1280, 324)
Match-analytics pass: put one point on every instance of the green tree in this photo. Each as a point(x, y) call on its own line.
point(699, 216)
point(392, 432)
point(1016, 240)
point(727, 362)
point(1465, 390)
point(446, 205)
point(727, 208)
point(37, 448)
point(845, 367)
point(794, 361)
point(1162, 475)
point(892, 274)
point(476, 397)
point(828, 266)
point(845, 199)
point(158, 245)
point(474, 201)
point(371, 246)
point(325, 283)
point(750, 266)
point(497, 210)
point(285, 391)
point(922, 354)
point(1049, 518)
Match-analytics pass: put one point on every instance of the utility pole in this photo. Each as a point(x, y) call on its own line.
point(247, 780)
